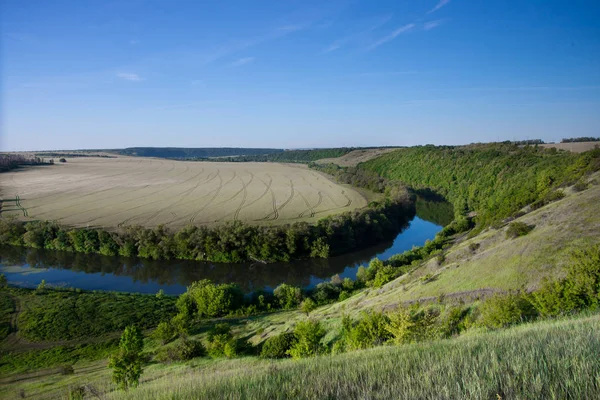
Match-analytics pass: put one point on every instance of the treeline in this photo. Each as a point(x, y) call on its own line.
point(232, 243)
point(528, 142)
point(12, 161)
point(581, 139)
point(494, 180)
point(72, 155)
point(292, 156)
point(192, 153)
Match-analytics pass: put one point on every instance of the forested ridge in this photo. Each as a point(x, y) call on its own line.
point(292, 156)
point(193, 152)
point(495, 180)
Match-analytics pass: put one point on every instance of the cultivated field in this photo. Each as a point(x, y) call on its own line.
point(576, 147)
point(112, 192)
point(355, 157)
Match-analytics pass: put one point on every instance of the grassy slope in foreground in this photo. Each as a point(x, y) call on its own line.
point(541, 360)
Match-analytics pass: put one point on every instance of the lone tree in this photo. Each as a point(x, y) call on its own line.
point(127, 361)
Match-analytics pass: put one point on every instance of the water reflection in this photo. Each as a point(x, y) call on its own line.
point(27, 267)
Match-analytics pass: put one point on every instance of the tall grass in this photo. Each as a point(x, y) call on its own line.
point(545, 360)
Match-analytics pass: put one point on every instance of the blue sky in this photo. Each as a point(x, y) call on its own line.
point(296, 74)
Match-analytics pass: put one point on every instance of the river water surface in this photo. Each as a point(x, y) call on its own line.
point(27, 267)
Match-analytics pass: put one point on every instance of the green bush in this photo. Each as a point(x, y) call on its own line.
point(278, 346)
point(308, 305)
point(502, 310)
point(325, 292)
point(412, 324)
point(164, 332)
point(384, 275)
point(221, 342)
point(308, 334)
point(214, 300)
point(451, 322)
point(516, 229)
point(288, 296)
point(579, 290)
point(370, 330)
point(185, 349)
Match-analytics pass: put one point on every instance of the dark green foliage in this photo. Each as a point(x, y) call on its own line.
point(278, 346)
point(384, 275)
point(57, 355)
point(370, 330)
point(325, 292)
point(185, 349)
point(579, 290)
point(308, 334)
point(516, 229)
point(502, 310)
point(63, 315)
point(191, 153)
point(412, 324)
point(221, 342)
point(495, 180)
point(126, 363)
point(308, 305)
point(214, 300)
point(164, 332)
point(452, 321)
point(293, 156)
point(13, 161)
point(288, 296)
point(581, 139)
point(7, 307)
point(3, 281)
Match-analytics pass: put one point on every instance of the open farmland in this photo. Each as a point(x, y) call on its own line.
point(112, 192)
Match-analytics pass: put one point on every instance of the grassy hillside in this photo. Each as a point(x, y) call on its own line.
point(548, 360)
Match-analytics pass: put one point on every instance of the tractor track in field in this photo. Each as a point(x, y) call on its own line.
point(126, 221)
point(347, 198)
point(215, 195)
point(217, 190)
point(263, 194)
point(126, 201)
point(310, 208)
point(183, 195)
point(236, 215)
point(77, 198)
point(92, 193)
point(277, 210)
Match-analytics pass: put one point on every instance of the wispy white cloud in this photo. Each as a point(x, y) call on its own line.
point(391, 36)
point(355, 37)
point(128, 76)
point(133, 42)
point(439, 5)
point(242, 61)
point(432, 24)
point(379, 74)
point(332, 47)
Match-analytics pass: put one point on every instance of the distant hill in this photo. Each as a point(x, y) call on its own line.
point(194, 152)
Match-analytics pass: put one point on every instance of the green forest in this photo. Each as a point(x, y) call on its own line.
point(494, 180)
